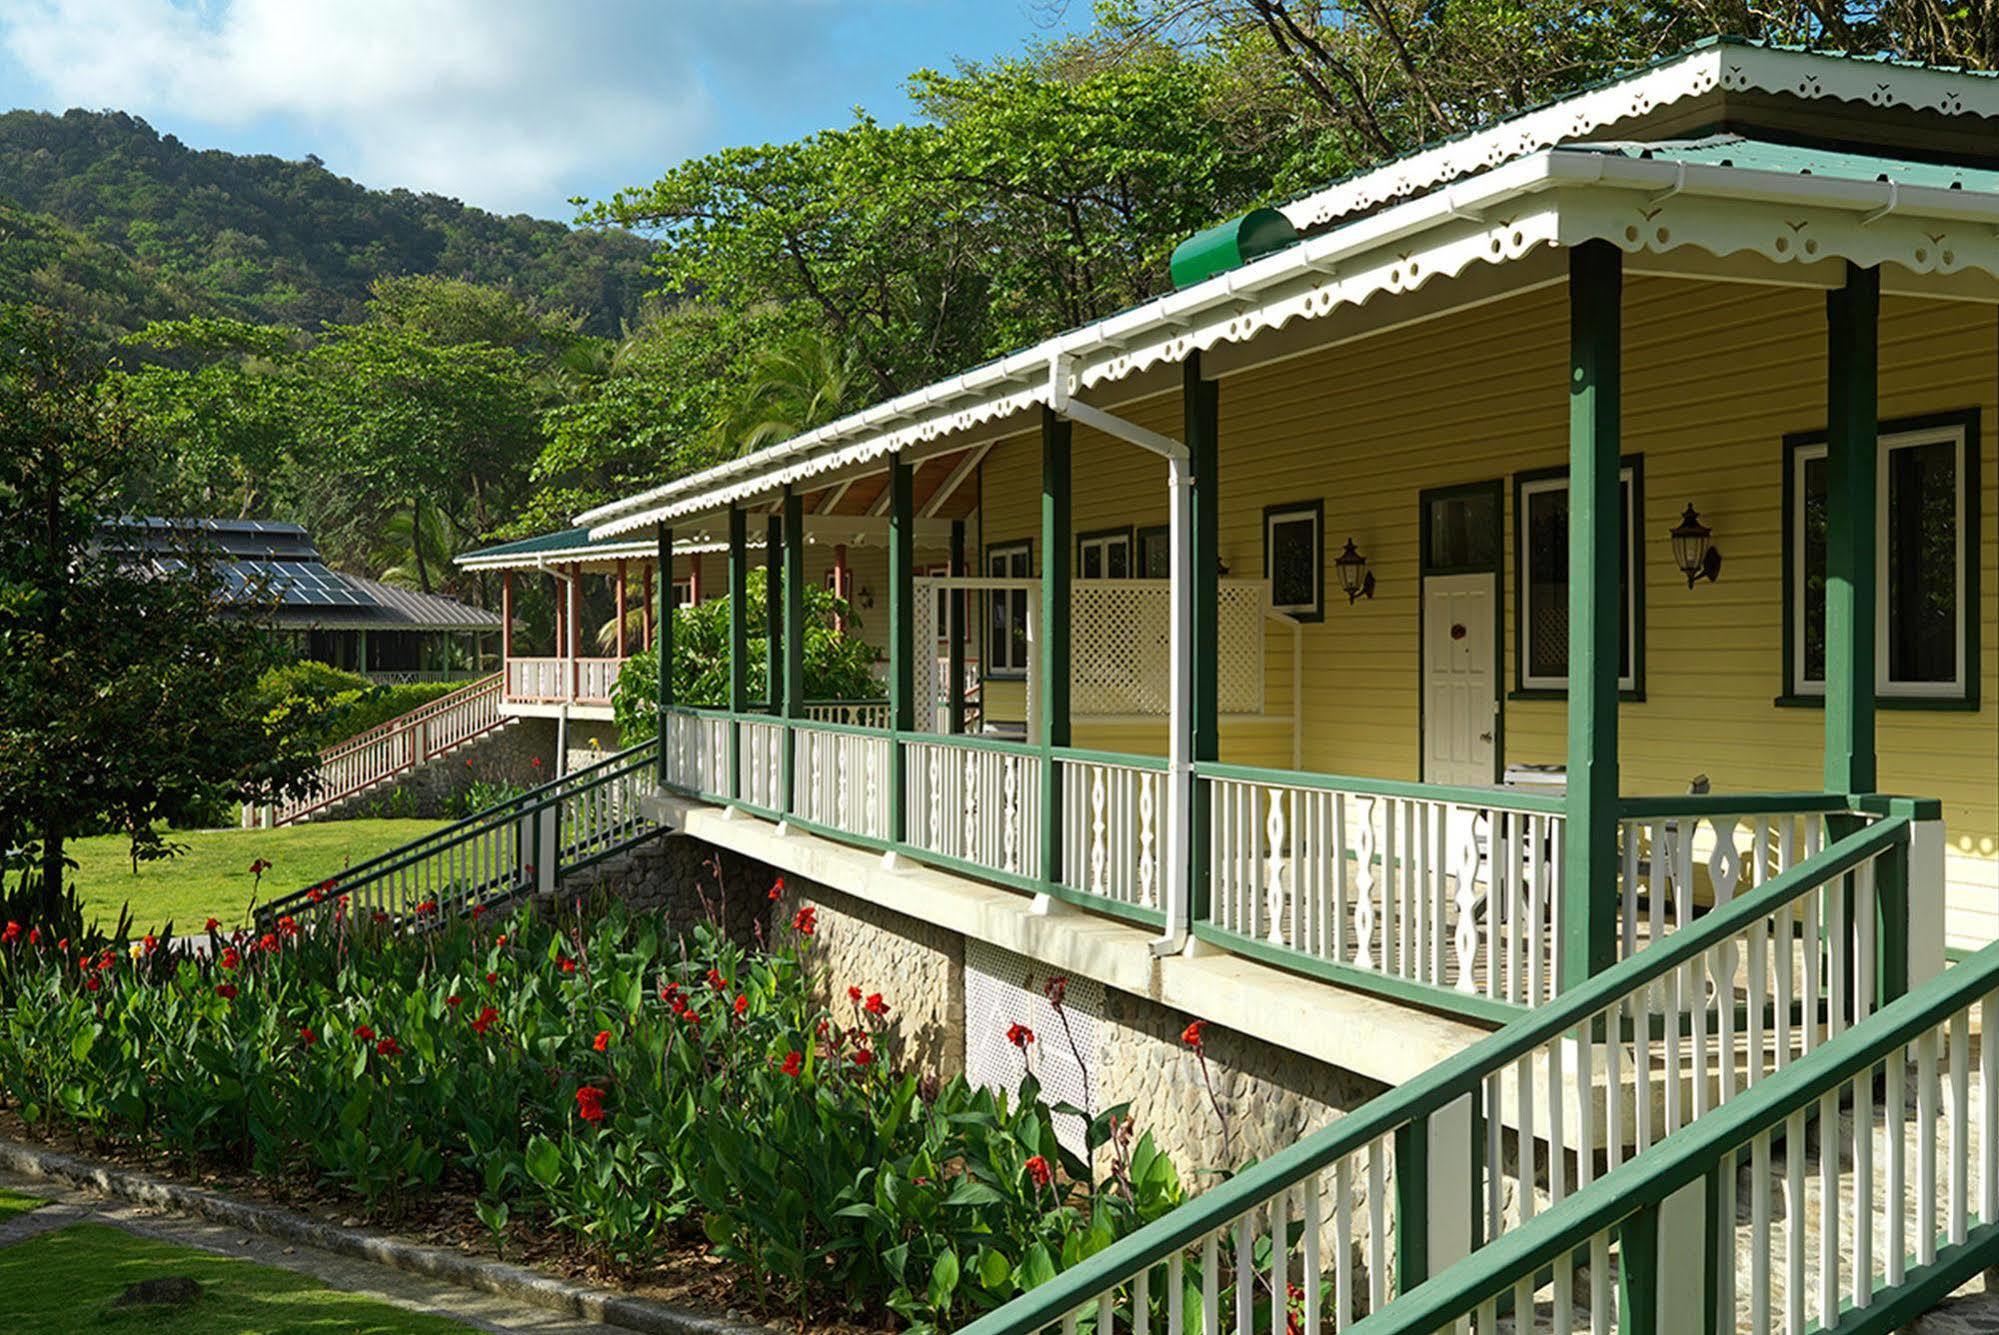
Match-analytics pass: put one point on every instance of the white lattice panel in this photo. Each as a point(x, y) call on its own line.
point(1003, 989)
point(1121, 646)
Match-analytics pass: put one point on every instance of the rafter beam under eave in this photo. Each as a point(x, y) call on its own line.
point(959, 472)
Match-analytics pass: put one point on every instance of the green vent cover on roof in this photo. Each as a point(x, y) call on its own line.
point(1231, 245)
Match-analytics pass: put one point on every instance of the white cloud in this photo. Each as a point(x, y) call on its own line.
point(508, 104)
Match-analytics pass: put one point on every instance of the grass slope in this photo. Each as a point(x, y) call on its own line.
point(212, 878)
point(13, 1203)
point(67, 1280)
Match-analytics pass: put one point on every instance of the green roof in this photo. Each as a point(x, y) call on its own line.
point(562, 540)
point(1731, 150)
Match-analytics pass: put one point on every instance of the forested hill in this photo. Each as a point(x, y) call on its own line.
point(268, 239)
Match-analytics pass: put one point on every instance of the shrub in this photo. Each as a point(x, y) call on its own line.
point(341, 704)
point(633, 1092)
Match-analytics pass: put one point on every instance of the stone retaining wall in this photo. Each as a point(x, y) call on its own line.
point(436, 791)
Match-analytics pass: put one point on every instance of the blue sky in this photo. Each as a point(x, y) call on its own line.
point(512, 105)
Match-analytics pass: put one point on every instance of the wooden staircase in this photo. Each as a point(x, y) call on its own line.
point(389, 751)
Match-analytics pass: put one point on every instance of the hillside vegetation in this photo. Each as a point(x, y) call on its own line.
point(270, 240)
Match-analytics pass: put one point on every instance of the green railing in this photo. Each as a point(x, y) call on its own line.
point(1861, 1212)
point(1679, 1029)
point(523, 844)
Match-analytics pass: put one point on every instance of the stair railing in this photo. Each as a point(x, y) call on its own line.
point(1872, 1185)
point(389, 749)
point(1432, 1172)
point(524, 844)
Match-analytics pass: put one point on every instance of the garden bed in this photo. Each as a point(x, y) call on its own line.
point(677, 1118)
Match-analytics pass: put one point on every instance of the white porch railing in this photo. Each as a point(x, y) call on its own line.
point(974, 801)
point(1452, 888)
point(850, 713)
point(762, 742)
point(383, 752)
point(547, 681)
point(1113, 827)
point(841, 780)
point(697, 751)
point(1691, 854)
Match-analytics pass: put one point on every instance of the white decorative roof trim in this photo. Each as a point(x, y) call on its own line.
point(1733, 67)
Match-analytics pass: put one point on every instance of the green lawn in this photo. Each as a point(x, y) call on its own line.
point(67, 1280)
point(13, 1203)
point(212, 878)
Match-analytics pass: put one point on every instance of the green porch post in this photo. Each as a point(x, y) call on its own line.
point(1852, 318)
point(739, 640)
point(901, 631)
point(1201, 406)
point(794, 635)
point(955, 607)
point(774, 615)
point(665, 640)
point(1052, 654)
point(1588, 943)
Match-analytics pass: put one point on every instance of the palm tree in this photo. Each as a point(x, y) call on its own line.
point(807, 379)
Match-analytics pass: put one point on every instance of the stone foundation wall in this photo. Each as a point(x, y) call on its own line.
point(686, 882)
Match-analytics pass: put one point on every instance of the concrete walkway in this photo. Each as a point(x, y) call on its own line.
point(478, 1311)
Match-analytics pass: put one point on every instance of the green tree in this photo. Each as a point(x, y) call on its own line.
point(793, 385)
point(129, 695)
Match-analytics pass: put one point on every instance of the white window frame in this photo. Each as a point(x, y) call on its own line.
point(1291, 514)
point(683, 591)
point(1954, 689)
point(1628, 488)
point(996, 661)
point(1103, 544)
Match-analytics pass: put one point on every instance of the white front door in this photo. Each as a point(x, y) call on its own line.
point(1460, 679)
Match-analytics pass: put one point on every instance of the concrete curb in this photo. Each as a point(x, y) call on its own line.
point(498, 1277)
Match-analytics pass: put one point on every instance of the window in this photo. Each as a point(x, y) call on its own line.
point(1105, 555)
point(1294, 558)
point(1155, 553)
point(683, 592)
point(1541, 514)
point(1461, 529)
point(1006, 628)
point(1923, 598)
point(941, 606)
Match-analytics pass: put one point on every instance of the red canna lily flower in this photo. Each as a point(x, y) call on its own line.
point(862, 1057)
point(854, 995)
point(793, 1063)
point(1192, 1035)
point(716, 981)
point(492, 977)
point(268, 944)
point(454, 1001)
point(603, 1040)
point(805, 921)
point(567, 965)
point(11, 934)
point(227, 991)
point(259, 867)
point(306, 1036)
point(92, 983)
point(363, 1032)
point(478, 912)
point(34, 936)
point(212, 926)
point(1038, 1169)
point(150, 944)
point(288, 925)
point(428, 907)
point(487, 1015)
point(1019, 1035)
point(231, 957)
point(776, 889)
point(742, 1003)
point(315, 894)
point(874, 1005)
point(590, 1103)
point(388, 1047)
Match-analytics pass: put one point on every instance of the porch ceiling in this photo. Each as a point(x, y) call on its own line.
point(1730, 209)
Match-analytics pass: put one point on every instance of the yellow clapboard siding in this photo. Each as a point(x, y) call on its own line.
point(1715, 375)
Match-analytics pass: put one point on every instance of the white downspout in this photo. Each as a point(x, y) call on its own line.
point(1178, 826)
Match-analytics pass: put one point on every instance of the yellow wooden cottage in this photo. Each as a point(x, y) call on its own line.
point(1573, 537)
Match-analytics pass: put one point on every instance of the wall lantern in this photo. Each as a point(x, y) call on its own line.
point(1692, 552)
point(1355, 578)
point(867, 598)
